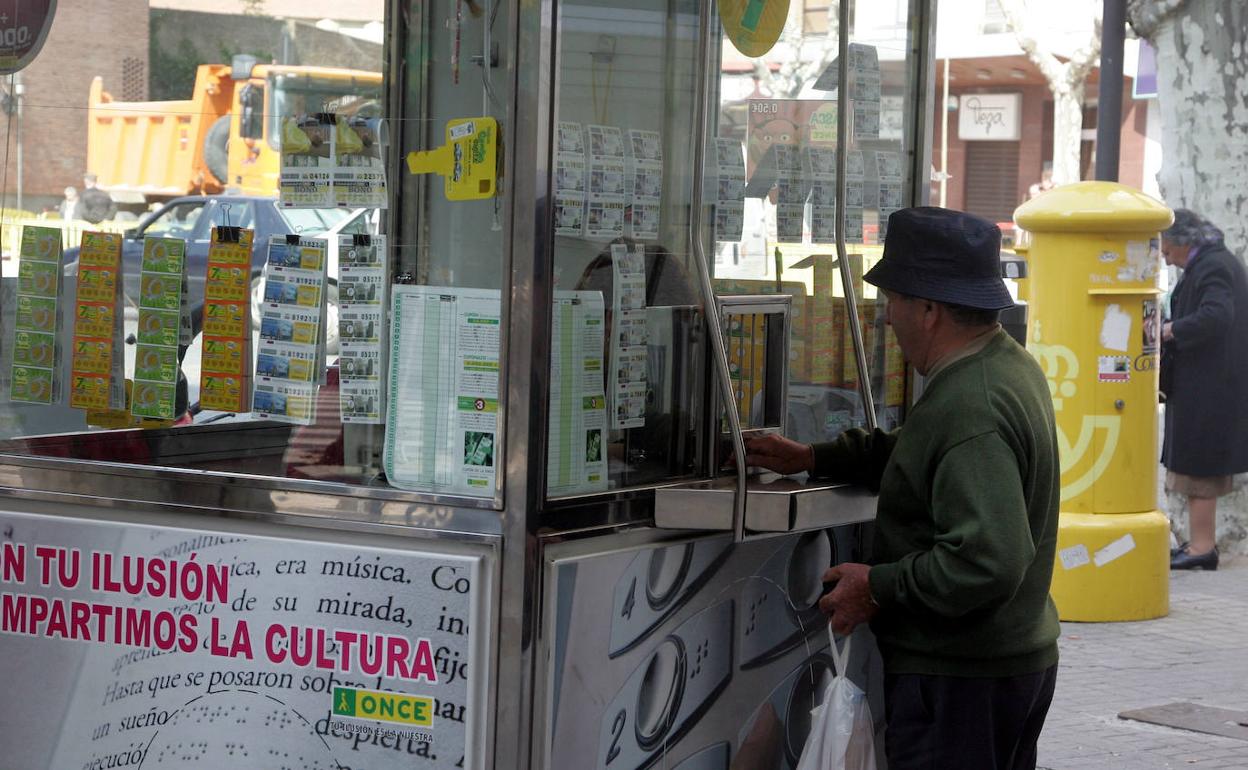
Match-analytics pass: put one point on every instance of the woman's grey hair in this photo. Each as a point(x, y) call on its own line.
point(1191, 229)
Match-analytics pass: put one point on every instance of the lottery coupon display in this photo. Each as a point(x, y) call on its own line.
point(442, 406)
point(97, 365)
point(570, 180)
point(36, 329)
point(792, 192)
point(628, 337)
point(332, 160)
point(291, 350)
point(645, 166)
point(729, 190)
point(361, 326)
point(225, 364)
point(604, 219)
point(576, 457)
point(888, 168)
point(854, 196)
point(822, 164)
point(864, 90)
point(162, 300)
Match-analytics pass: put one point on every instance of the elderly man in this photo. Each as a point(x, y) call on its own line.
point(966, 525)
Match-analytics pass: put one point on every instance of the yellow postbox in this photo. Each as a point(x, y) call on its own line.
point(1095, 328)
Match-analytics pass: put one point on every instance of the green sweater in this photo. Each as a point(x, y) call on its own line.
point(966, 525)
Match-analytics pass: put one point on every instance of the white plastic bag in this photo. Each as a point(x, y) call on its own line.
point(842, 735)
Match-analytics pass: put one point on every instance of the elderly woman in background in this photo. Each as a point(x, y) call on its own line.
point(1204, 375)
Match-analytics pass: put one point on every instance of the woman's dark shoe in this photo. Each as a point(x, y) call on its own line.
point(1185, 559)
point(1176, 551)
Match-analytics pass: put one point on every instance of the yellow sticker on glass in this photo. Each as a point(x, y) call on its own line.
point(468, 161)
point(753, 26)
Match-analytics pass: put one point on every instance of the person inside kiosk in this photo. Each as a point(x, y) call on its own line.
point(966, 525)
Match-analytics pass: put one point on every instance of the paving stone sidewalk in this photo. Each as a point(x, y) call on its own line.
point(1199, 654)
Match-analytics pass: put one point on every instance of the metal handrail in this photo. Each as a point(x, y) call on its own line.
point(718, 346)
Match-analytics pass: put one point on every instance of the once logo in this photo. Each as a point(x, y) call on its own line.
point(383, 706)
point(23, 26)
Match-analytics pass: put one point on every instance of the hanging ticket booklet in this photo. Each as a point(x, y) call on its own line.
point(307, 161)
point(97, 366)
point(442, 406)
point(361, 326)
point(333, 160)
point(864, 79)
point(729, 190)
point(578, 408)
point(162, 297)
point(225, 365)
point(792, 190)
point(359, 169)
point(570, 181)
point(645, 183)
point(628, 337)
point(35, 370)
point(822, 164)
point(604, 218)
point(291, 350)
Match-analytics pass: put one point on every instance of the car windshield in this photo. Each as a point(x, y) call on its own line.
point(313, 221)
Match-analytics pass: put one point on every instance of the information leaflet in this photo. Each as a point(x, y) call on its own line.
point(442, 410)
point(578, 414)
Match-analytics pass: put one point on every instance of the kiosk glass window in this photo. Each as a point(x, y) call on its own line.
point(775, 180)
point(135, 329)
point(629, 365)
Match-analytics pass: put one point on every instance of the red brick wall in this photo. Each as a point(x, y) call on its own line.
point(88, 38)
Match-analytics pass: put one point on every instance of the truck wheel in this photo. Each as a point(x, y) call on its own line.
point(217, 149)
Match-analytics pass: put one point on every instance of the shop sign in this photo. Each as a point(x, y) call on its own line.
point(989, 117)
point(162, 647)
point(24, 25)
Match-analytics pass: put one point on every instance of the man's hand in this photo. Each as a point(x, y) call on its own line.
point(1167, 331)
point(849, 603)
point(777, 453)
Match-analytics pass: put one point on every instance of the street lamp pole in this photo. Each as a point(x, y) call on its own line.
point(1109, 101)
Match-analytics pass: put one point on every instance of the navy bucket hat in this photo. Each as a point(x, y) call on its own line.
point(945, 256)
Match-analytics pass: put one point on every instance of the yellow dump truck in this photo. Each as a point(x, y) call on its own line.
point(226, 137)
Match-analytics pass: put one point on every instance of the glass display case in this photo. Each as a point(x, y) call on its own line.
point(395, 323)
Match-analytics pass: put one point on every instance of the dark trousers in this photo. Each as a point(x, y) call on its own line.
point(965, 723)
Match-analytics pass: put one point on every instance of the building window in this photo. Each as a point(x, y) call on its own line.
point(994, 19)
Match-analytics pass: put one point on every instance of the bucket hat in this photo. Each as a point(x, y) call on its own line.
point(943, 255)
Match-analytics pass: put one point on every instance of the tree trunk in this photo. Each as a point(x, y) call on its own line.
point(1067, 131)
point(1202, 88)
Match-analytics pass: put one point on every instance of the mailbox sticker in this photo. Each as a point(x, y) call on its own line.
point(1113, 369)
